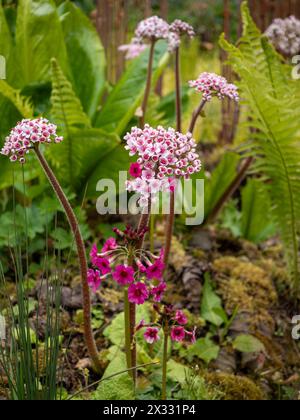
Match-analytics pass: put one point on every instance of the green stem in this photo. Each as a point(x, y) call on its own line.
point(165, 366)
point(178, 90)
point(127, 329)
point(86, 300)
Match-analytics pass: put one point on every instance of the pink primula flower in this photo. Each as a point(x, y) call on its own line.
point(123, 275)
point(181, 318)
point(151, 335)
point(177, 334)
point(94, 279)
point(138, 293)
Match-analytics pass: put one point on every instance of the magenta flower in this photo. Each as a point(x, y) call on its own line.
point(158, 292)
point(133, 50)
point(151, 335)
point(94, 279)
point(135, 170)
point(123, 275)
point(177, 334)
point(153, 28)
point(110, 245)
point(27, 134)
point(103, 264)
point(155, 271)
point(211, 84)
point(164, 156)
point(138, 293)
point(181, 318)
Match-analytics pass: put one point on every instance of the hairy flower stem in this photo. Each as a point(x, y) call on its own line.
point(148, 84)
point(233, 187)
point(196, 115)
point(171, 217)
point(178, 90)
point(88, 332)
point(170, 228)
point(128, 337)
point(165, 366)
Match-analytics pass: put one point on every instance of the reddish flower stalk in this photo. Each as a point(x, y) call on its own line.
point(148, 83)
point(196, 115)
point(88, 332)
point(165, 365)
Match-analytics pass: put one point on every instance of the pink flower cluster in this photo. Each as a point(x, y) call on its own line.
point(112, 261)
point(164, 156)
point(176, 321)
point(182, 28)
point(211, 84)
point(26, 134)
point(134, 49)
point(153, 28)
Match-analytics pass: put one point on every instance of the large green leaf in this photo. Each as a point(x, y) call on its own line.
point(257, 222)
point(86, 56)
point(110, 164)
point(81, 153)
point(220, 180)
point(22, 104)
point(126, 96)
point(211, 306)
point(39, 37)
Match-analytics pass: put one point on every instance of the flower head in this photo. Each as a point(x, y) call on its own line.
point(110, 245)
point(177, 334)
point(27, 134)
point(123, 275)
point(134, 49)
point(158, 292)
point(156, 270)
point(181, 318)
point(151, 335)
point(163, 156)
point(103, 264)
point(285, 35)
point(138, 293)
point(153, 28)
point(211, 84)
point(94, 279)
point(182, 28)
point(178, 29)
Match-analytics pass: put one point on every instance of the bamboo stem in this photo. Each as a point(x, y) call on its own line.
point(88, 332)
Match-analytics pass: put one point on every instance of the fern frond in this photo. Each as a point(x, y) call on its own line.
point(273, 101)
point(23, 104)
point(67, 111)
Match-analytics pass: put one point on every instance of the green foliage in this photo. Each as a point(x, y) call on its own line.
point(255, 221)
point(21, 103)
point(39, 37)
point(273, 99)
point(127, 95)
point(86, 56)
point(211, 306)
point(204, 349)
point(220, 180)
point(248, 344)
